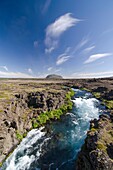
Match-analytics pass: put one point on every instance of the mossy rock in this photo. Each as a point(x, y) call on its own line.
point(97, 95)
point(101, 146)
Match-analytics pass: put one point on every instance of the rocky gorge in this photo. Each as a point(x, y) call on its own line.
point(19, 114)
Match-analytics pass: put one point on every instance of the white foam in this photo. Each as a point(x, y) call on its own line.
point(86, 108)
point(25, 160)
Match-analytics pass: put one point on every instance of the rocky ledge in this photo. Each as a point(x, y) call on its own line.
point(97, 151)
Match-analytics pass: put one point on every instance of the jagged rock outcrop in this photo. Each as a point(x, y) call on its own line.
point(97, 151)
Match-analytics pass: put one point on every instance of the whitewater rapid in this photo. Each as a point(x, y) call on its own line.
point(57, 150)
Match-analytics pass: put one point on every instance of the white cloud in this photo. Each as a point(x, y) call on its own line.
point(4, 67)
point(62, 59)
point(46, 6)
point(95, 57)
point(67, 49)
point(49, 50)
point(30, 70)
point(56, 29)
point(89, 49)
point(82, 43)
point(92, 75)
point(14, 75)
point(58, 70)
point(35, 44)
point(50, 68)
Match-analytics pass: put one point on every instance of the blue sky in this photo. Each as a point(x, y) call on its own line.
point(73, 38)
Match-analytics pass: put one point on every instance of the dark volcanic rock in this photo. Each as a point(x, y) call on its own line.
point(100, 89)
point(97, 151)
point(108, 95)
point(54, 76)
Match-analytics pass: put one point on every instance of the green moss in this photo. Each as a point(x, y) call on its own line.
point(1, 164)
point(97, 95)
point(47, 116)
point(24, 135)
point(83, 88)
point(19, 135)
point(108, 103)
point(5, 95)
point(54, 114)
point(35, 124)
point(69, 105)
point(63, 108)
point(101, 146)
point(70, 94)
point(42, 118)
point(93, 129)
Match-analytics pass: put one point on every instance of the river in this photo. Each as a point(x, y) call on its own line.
point(55, 146)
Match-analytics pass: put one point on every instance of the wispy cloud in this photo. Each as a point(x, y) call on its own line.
point(49, 50)
point(67, 49)
point(53, 69)
point(4, 67)
point(70, 52)
point(62, 59)
point(81, 44)
point(89, 49)
point(46, 6)
point(50, 68)
point(14, 75)
point(95, 57)
point(56, 29)
point(58, 70)
point(92, 75)
point(107, 31)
